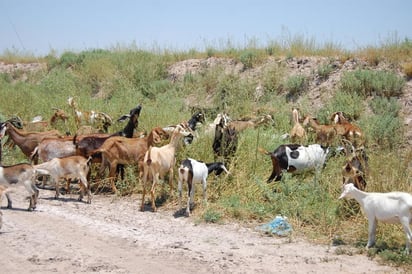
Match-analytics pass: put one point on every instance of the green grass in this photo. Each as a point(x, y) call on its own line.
point(114, 81)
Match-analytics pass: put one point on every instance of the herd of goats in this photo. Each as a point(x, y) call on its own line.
point(54, 156)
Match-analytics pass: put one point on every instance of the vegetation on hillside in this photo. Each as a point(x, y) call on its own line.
point(116, 80)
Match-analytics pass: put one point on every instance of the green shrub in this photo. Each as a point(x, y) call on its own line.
point(385, 127)
point(372, 83)
point(324, 71)
point(249, 58)
point(295, 85)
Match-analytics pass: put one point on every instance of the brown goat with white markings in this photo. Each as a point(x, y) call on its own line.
point(24, 174)
point(346, 129)
point(73, 167)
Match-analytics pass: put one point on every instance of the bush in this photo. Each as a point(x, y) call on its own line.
point(385, 127)
point(372, 83)
point(295, 85)
point(324, 71)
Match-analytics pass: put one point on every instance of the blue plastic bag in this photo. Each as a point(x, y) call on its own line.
point(278, 226)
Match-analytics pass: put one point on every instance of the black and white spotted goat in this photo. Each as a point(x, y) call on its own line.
point(295, 158)
point(192, 171)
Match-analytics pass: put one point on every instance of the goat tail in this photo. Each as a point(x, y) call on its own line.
point(263, 151)
point(149, 160)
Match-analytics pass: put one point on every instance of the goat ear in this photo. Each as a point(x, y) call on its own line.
point(123, 118)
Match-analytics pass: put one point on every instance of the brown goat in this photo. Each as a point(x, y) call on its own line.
point(59, 114)
point(346, 129)
point(121, 150)
point(356, 166)
point(325, 134)
point(26, 141)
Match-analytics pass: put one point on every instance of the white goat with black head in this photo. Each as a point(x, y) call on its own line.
point(294, 158)
point(192, 171)
point(391, 207)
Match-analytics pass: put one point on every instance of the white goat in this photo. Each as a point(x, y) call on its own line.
point(158, 162)
point(391, 207)
point(19, 174)
point(71, 167)
point(192, 172)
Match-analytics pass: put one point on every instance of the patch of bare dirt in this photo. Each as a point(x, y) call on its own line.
point(111, 235)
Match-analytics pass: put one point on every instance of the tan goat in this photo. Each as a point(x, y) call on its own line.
point(23, 173)
point(298, 132)
point(121, 150)
point(240, 125)
point(159, 161)
point(73, 167)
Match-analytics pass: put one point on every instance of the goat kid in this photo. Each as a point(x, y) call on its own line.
point(295, 158)
point(72, 167)
point(24, 174)
point(391, 207)
point(325, 134)
point(192, 171)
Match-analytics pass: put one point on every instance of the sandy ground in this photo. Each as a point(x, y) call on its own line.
point(111, 235)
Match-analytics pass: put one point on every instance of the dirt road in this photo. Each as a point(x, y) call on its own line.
point(111, 235)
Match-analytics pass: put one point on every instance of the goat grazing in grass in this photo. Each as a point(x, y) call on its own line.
point(391, 207)
point(19, 174)
point(158, 162)
point(90, 117)
point(73, 167)
point(325, 134)
point(240, 125)
point(294, 158)
point(192, 172)
point(356, 166)
point(298, 132)
point(225, 141)
point(58, 114)
point(346, 129)
point(121, 150)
